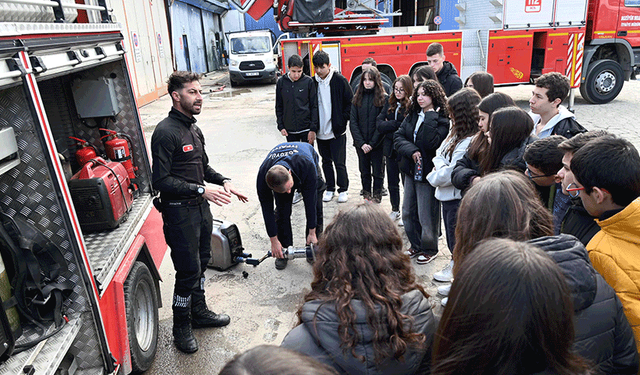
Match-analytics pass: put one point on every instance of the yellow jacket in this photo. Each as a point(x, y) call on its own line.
point(615, 254)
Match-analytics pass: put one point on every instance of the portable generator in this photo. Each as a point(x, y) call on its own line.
point(226, 246)
point(102, 194)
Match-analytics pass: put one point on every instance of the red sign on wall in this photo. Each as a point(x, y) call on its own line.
point(532, 6)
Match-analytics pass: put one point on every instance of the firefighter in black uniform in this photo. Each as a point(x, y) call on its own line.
point(180, 168)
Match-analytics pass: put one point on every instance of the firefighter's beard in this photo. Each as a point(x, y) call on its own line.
point(194, 108)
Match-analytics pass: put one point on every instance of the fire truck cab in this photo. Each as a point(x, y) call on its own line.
point(62, 80)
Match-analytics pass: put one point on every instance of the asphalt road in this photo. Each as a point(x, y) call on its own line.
point(239, 128)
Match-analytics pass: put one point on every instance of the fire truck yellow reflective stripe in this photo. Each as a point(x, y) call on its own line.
point(604, 32)
point(399, 42)
point(432, 41)
point(371, 44)
point(511, 37)
point(633, 31)
point(559, 34)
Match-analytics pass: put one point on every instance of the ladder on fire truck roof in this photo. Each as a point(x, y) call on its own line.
point(359, 16)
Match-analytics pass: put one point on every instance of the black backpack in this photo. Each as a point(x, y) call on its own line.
point(37, 269)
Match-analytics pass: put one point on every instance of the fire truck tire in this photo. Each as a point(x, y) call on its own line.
point(603, 82)
point(141, 300)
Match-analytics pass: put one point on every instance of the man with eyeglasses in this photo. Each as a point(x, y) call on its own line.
point(577, 220)
point(544, 159)
point(607, 179)
point(446, 72)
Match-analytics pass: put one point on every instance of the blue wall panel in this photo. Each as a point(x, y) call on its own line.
point(448, 12)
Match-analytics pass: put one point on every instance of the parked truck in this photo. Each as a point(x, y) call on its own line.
point(74, 165)
point(596, 43)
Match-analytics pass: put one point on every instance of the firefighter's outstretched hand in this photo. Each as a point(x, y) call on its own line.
point(217, 195)
point(228, 187)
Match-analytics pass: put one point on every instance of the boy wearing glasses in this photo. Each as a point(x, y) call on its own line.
point(607, 179)
point(544, 159)
point(577, 220)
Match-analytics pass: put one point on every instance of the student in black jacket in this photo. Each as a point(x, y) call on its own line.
point(446, 72)
point(367, 105)
point(388, 122)
point(297, 104)
point(419, 136)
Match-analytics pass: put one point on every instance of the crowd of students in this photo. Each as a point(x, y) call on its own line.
point(542, 219)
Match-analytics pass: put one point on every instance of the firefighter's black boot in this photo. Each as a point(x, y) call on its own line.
point(202, 317)
point(182, 334)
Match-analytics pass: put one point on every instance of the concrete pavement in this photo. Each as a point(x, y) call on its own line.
point(239, 127)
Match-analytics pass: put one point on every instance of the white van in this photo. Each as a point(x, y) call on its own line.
point(253, 56)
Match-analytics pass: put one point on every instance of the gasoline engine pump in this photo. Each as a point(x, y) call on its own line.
point(103, 190)
point(227, 250)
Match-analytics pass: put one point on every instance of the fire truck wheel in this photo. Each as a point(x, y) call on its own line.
point(603, 82)
point(141, 300)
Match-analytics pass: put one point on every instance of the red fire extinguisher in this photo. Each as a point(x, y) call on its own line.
point(86, 151)
point(117, 149)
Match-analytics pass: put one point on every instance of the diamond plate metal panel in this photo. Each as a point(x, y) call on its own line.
point(105, 249)
point(86, 347)
point(27, 190)
point(48, 354)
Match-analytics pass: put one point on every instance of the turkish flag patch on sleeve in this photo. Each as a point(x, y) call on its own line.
point(187, 148)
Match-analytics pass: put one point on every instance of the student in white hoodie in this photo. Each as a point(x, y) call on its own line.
point(334, 107)
point(549, 116)
point(463, 109)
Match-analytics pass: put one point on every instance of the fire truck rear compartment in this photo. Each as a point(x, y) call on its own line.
point(29, 190)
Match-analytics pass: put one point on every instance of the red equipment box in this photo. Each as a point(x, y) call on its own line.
point(102, 194)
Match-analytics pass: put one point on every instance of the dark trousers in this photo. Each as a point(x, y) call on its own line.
point(421, 215)
point(334, 152)
point(371, 166)
point(393, 182)
point(449, 215)
point(284, 203)
point(299, 137)
point(187, 230)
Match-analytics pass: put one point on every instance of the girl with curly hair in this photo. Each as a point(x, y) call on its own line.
point(367, 105)
point(388, 122)
point(463, 109)
point(419, 136)
point(365, 314)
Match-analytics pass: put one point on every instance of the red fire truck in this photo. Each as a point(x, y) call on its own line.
point(63, 78)
point(596, 43)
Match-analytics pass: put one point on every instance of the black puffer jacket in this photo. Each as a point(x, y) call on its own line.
point(363, 121)
point(318, 337)
point(579, 223)
point(432, 132)
point(603, 334)
point(449, 79)
point(300, 113)
point(467, 168)
point(387, 125)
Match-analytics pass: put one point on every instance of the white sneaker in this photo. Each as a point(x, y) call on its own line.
point(446, 275)
point(394, 215)
point(343, 197)
point(444, 290)
point(400, 223)
point(444, 301)
point(328, 196)
point(297, 197)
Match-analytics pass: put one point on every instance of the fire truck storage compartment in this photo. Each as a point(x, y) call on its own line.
point(107, 246)
point(31, 189)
